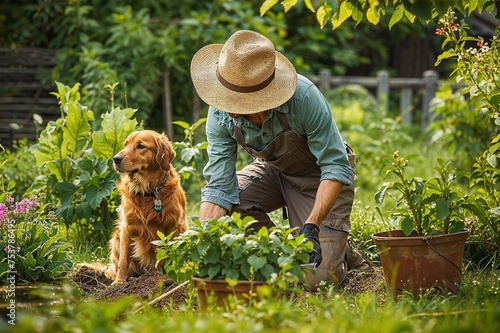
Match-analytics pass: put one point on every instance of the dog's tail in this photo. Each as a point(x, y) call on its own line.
point(98, 267)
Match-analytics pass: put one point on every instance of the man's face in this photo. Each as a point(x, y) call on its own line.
point(255, 118)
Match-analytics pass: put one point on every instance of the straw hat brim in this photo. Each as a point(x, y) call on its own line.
point(212, 92)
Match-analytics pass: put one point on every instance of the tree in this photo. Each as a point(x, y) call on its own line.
point(373, 10)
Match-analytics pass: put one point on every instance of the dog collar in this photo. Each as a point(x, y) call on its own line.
point(157, 189)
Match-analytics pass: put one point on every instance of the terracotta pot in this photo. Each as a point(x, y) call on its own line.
point(420, 263)
point(219, 292)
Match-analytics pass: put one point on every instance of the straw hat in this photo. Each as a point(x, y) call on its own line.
point(245, 75)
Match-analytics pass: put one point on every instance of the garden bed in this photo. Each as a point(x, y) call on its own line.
point(151, 285)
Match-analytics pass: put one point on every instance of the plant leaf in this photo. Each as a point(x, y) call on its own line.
point(266, 6)
point(397, 15)
point(323, 14)
point(256, 262)
point(442, 209)
point(407, 226)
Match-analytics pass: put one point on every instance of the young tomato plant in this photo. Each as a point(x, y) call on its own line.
point(424, 207)
point(229, 249)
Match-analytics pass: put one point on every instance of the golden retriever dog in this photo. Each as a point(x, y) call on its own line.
point(152, 199)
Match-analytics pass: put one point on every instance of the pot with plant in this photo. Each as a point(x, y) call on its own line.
point(426, 252)
point(227, 257)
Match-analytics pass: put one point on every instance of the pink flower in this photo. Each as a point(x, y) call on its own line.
point(25, 205)
point(3, 211)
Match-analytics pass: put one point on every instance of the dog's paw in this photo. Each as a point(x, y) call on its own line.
point(118, 280)
point(110, 274)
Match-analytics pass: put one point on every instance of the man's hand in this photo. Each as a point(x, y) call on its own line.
point(311, 231)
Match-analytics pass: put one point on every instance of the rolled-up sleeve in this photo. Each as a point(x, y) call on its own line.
point(323, 137)
point(220, 171)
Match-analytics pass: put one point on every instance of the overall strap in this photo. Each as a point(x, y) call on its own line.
point(241, 140)
point(283, 121)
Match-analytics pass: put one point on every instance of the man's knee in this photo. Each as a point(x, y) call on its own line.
point(333, 268)
point(260, 216)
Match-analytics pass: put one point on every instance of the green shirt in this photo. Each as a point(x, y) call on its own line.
point(309, 116)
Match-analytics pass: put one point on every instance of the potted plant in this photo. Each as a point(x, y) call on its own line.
point(228, 257)
point(426, 252)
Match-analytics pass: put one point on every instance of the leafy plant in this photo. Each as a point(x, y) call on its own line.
point(459, 124)
point(78, 160)
point(17, 169)
point(424, 207)
point(485, 178)
point(476, 67)
point(191, 153)
point(31, 245)
point(228, 248)
point(191, 158)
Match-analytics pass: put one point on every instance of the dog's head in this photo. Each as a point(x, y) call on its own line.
point(144, 152)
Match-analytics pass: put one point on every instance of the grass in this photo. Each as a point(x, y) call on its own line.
point(368, 308)
point(476, 307)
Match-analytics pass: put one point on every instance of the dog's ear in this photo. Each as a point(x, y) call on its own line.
point(164, 151)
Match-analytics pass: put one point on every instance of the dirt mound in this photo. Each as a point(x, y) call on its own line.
point(146, 287)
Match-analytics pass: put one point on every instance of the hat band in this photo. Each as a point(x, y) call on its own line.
point(240, 89)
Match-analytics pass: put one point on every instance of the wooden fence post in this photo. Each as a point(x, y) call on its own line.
point(324, 80)
point(167, 102)
point(383, 89)
point(196, 110)
point(431, 81)
point(405, 105)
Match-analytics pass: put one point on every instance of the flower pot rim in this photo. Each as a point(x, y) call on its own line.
point(384, 235)
point(197, 278)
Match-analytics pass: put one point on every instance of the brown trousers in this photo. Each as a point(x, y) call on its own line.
point(264, 189)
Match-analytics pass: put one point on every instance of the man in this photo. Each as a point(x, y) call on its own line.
point(257, 100)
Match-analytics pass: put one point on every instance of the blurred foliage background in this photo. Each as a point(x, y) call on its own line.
point(135, 43)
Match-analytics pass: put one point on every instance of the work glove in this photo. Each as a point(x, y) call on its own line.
point(311, 231)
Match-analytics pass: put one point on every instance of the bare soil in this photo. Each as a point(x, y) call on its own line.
point(357, 282)
point(149, 286)
point(146, 287)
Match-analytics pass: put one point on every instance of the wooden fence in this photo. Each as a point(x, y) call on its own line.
point(383, 84)
point(22, 93)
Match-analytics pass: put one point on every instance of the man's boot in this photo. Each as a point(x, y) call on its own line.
point(355, 260)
